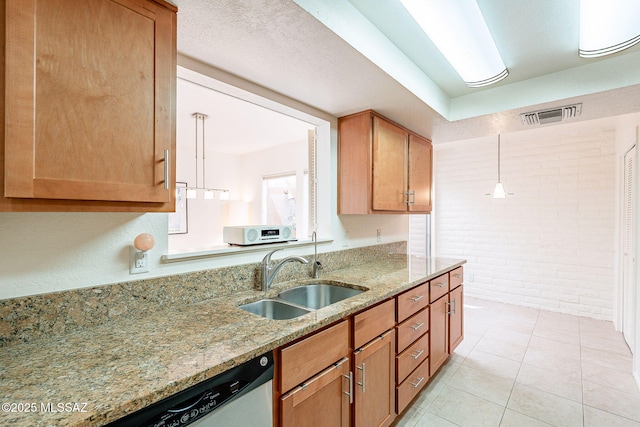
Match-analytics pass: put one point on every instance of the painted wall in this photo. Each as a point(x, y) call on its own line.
point(242, 175)
point(552, 244)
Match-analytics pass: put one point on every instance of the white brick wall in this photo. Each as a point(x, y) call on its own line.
point(549, 246)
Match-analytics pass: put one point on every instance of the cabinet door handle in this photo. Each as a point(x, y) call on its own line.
point(166, 169)
point(417, 326)
point(350, 392)
point(457, 275)
point(415, 385)
point(417, 354)
point(452, 303)
point(440, 284)
point(363, 376)
point(411, 197)
point(417, 298)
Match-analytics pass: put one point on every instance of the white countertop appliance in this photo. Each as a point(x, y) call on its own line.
point(257, 234)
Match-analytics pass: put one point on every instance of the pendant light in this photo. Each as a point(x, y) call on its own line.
point(192, 192)
point(498, 191)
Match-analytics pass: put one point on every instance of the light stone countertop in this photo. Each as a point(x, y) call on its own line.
point(102, 373)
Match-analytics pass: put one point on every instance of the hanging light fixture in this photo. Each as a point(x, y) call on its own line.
point(208, 193)
point(498, 191)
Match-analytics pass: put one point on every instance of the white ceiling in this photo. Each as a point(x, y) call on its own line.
point(233, 126)
point(343, 56)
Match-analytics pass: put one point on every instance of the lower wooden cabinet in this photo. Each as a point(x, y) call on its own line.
point(314, 379)
point(374, 382)
point(368, 368)
point(456, 321)
point(321, 401)
point(447, 330)
point(439, 333)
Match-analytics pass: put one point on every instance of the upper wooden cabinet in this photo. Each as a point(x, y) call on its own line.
point(382, 167)
point(89, 110)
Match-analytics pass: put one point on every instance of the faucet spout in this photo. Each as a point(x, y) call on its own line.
point(269, 272)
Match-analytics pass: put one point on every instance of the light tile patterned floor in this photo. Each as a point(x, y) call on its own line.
point(520, 367)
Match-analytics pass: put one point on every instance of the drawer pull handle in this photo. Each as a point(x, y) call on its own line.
point(350, 392)
point(440, 284)
point(417, 298)
point(417, 354)
point(457, 275)
point(417, 326)
point(363, 376)
point(415, 385)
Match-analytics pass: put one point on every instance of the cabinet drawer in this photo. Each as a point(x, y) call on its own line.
point(412, 329)
point(411, 357)
point(455, 278)
point(408, 389)
point(412, 301)
point(439, 287)
point(373, 322)
point(306, 358)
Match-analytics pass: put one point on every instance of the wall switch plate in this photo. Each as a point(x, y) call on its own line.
point(138, 261)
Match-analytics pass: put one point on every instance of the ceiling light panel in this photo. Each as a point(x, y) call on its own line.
point(608, 27)
point(460, 32)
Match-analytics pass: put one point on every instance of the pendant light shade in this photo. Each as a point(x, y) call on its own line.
point(498, 191)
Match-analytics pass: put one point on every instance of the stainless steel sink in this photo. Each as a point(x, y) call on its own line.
point(317, 295)
point(274, 309)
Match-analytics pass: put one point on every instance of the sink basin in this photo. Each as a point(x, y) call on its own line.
point(319, 295)
point(274, 309)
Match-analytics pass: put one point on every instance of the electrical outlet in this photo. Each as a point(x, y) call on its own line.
point(138, 261)
point(379, 234)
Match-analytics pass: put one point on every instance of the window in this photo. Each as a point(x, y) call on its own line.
point(284, 202)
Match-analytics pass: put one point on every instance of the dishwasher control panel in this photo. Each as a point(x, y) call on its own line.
point(204, 398)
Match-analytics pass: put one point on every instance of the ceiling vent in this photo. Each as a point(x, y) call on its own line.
point(553, 115)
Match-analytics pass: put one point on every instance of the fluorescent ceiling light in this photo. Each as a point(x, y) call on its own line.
point(608, 27)
point(459, 31)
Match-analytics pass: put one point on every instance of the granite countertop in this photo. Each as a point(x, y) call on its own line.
point(96, 375)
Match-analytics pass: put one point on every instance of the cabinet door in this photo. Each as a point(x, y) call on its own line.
point(374, 382)
point(456, 328)
point(419, 174)
point(438, 333)
point(321, 401)
point(89, 100)
point(389, 166)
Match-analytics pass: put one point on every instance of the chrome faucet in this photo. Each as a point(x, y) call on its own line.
point(317, 265)
point(269, 272)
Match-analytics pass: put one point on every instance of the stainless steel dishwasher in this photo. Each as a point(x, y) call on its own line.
point(240, 397)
